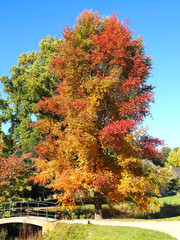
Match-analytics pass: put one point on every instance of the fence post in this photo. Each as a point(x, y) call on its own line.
point(28, 211)
point(56, 212)
point(10, 210)
point(38, 210)
point(46, 213)
point(4, 215)
point(20, 209)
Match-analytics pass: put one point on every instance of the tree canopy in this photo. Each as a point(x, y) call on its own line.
point(29, 82)
point(174, 158)
point(92, 143)
point(12, 176)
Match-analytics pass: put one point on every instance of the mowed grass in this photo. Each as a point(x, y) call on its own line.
point(172, 200)
point(95, 232)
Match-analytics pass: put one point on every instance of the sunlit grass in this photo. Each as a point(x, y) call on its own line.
point(173, 200)
point(94, 232)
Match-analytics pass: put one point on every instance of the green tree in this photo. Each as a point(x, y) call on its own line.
point(30, 80)
point(176, 149)
point(165, 154)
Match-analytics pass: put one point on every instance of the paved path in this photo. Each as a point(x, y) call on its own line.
point(170, 227)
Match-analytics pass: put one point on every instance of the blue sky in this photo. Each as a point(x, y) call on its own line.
point(24, 23)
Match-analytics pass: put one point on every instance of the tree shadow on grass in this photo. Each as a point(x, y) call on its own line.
point(165, 211)
point(82, 212)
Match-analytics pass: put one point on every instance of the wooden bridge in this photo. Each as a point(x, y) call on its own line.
point(40, 213)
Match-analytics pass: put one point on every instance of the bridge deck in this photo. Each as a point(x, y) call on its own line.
point(38, 221)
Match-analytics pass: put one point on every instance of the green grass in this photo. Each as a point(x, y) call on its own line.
point(171, 219)
point(173, 200)
point(94, 232)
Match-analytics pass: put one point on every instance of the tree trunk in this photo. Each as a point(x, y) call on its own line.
point(98, 205)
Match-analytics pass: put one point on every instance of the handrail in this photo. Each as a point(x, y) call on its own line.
point(29, 208)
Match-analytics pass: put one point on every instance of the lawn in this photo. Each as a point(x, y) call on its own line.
point(172, 200)
point(94, 232)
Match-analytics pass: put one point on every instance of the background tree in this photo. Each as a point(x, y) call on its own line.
point(164, 156)
point(174, 158)
point(176, 149)
point(12, 177)
point(29, 82)
point(92, 144)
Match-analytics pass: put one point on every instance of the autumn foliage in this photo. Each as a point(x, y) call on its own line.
point(174, 158)
point(92, 142)
point(11, 168)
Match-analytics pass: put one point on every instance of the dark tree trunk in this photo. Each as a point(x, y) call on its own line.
point(98, 205)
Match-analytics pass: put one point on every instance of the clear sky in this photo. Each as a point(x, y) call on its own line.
point(24, 23)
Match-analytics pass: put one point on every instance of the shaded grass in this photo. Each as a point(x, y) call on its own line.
point(169, 207)
point(94, 232)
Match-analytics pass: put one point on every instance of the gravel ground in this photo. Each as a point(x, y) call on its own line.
point(170, 227)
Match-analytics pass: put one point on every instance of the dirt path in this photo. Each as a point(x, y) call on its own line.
point(170, 227)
